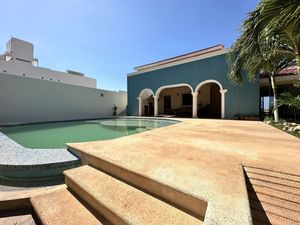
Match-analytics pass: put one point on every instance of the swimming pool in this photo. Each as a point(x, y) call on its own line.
point(56, 135)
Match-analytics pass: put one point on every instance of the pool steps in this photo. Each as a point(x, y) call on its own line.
point(92, 192)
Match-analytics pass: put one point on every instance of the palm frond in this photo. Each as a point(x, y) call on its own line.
point(269, 41)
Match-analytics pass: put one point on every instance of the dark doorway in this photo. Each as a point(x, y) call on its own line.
point(209, 101)
point(151, 109)
point(146, 110)
point(187, 99)
point(148, 106)
point(167, 104)
point(215, 100)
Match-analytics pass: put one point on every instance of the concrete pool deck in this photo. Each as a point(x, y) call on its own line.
point(200, 158)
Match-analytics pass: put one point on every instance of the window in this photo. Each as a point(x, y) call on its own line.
point(267, 103)
point(187, 99)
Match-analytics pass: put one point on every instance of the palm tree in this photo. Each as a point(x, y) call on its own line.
point(291, 101)
point(261, 48)
point(282, 19)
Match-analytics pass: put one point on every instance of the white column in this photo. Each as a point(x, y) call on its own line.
point(155, 105)
point(140, 105)
point(223, 92)
point(195, 95)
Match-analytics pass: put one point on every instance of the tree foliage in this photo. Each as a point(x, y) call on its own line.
point(290, 100)
point(269, 40)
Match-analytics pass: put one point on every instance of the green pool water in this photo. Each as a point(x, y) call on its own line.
point(56, 135)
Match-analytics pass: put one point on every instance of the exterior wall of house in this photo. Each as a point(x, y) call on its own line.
point(244, 100)
point(28, 100)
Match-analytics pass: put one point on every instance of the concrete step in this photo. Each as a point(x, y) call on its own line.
point(121, 203)
point(134, 174)
point(18, 217)
point(61, 207)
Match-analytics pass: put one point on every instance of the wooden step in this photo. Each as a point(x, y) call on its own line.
point(267, 218)
point(276, 193)
point(121, 203)
point(274, 197)
point(61, 207)
point(275, 210)
point(275, 186)
point(274, 201)
point(271, 173)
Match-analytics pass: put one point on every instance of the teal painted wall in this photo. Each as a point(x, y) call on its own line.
point(244, 100)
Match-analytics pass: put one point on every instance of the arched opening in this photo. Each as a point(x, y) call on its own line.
point(146, 103)
point(210, 100)
point(175, 100)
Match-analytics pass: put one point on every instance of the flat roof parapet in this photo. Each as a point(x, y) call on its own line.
point(200, 52)
point(75, 73)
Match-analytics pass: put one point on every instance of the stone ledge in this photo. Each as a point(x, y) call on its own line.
point(19, 162)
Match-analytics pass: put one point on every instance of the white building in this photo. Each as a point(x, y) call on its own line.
point(29, 93)
point(19, 60)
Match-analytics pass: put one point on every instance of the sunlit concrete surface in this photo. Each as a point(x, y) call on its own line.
point(200, 158)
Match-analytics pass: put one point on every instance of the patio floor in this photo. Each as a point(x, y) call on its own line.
point(205, 159)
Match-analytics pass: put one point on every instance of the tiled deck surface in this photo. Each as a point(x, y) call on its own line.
point(16, 156)
point(204, 158)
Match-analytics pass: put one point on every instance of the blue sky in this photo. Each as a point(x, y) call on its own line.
point(105, 39)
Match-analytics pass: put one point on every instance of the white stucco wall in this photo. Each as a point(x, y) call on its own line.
point(20, 49)
point(19, 59)
point(27, 100)
point(25, 69)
